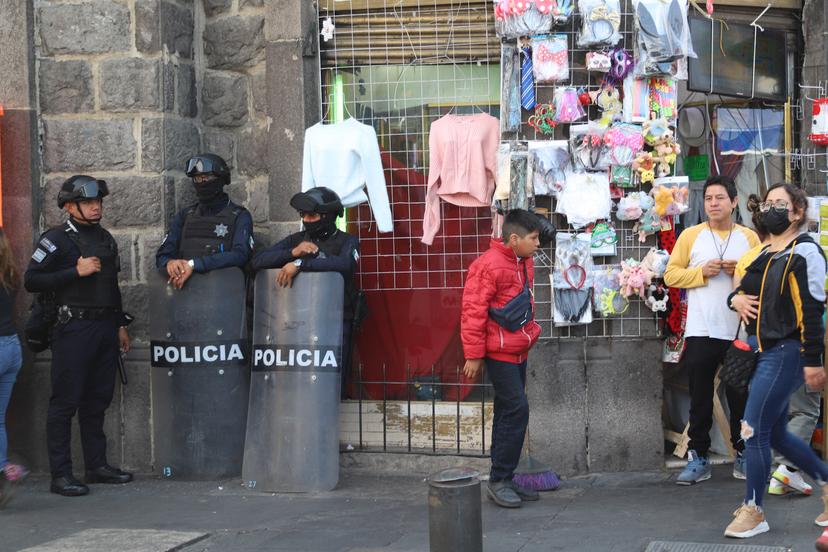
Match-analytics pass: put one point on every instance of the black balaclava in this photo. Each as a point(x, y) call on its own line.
point(209, 190)
point(776, 221)
point(322, 228)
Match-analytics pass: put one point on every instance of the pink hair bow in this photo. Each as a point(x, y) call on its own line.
point(546, 55)
point(616, 137)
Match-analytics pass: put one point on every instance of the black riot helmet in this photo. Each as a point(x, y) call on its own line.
point(81, 187)
point(323, 201)
point(210, 164)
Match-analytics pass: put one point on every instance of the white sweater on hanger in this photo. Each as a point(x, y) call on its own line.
point(345, 157)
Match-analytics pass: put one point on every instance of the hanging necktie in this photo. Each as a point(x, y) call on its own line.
point(527, 80)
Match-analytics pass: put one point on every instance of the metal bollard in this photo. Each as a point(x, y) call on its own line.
point(455, 523)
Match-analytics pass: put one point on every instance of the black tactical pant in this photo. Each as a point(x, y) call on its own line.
point(84, 363)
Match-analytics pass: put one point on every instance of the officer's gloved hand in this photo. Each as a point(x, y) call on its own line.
point(547, 231)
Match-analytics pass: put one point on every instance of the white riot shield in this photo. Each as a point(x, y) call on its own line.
point(200, 374)
point(292, 442)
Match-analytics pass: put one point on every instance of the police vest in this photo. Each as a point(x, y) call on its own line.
point(204, 234)
point(331, 247)
point(98, 290)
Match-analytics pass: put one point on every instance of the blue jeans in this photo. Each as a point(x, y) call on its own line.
point(778, 374)
point(511, 416)
point(11, 360)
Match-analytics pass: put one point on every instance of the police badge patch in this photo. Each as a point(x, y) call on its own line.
point(47, 243)
point(221, 230)
point(39, 255)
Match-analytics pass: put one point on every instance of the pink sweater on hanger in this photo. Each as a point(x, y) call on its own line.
point(462, 160)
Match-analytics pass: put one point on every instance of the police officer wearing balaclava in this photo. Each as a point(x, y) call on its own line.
point(78, 262)
point(214, 233)
point(320, 247)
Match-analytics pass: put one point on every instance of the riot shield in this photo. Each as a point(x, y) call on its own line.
point(292, 440)
point(200, 374)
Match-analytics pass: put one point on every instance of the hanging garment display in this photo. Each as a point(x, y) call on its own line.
point(585, 199)
point(572, 280)
point(550, 58)
point(516, 18)
point(549, 160)
point(600, 23)
point(509, 88)
point(462, 158)
point(345, 157)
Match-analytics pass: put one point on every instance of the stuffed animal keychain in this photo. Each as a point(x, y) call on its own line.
point(657, 298)
point(644, 165)
point(656, 260)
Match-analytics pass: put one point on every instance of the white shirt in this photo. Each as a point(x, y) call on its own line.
point(345, 157)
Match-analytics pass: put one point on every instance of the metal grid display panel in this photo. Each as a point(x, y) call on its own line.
point(465, 31)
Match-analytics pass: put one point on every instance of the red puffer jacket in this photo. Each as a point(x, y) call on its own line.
point(494, 279)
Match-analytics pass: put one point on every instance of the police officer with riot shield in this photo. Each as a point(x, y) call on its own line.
point(212, 234)
point(78, 263)
point(320, 247)
point(198, 331)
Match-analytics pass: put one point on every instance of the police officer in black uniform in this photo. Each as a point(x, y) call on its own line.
point(78, 262)
point(214, 233)
point(320, 247)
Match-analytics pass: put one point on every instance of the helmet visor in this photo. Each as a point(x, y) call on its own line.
point(91, 189)
point(199, 165)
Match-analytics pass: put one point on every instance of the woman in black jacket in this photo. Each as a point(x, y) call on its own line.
point(782, 298)
point(10, 362)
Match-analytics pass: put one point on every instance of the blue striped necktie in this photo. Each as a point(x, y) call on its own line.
point(527, 80)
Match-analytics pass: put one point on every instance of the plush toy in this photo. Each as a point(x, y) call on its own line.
point(680, 205)
point(644, 165)
point(656, 260)
point(657, 298)
point(633, 205)
point(649, 224)
point(656, 130)
point(634, 278)
point(663, 199)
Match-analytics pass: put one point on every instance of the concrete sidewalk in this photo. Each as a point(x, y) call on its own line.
point(613, 512)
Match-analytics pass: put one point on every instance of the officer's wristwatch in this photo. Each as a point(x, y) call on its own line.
point(191, 263)
point(297, 263)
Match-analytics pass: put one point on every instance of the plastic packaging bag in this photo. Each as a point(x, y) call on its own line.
point(549, 160)
point(589, 153)
point(516, 18)
point(663, 31)
point(600, 22)
point(623, 142)
point(585, 199)
point(550, 59)
point(568, 108)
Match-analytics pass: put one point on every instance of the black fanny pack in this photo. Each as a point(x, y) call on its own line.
point(518, 311)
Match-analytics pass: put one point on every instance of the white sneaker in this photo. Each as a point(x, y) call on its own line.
point(792, 479)
point(777, 488)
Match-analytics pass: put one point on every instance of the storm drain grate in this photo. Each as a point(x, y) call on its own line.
point(665, 546)
point(122, 540)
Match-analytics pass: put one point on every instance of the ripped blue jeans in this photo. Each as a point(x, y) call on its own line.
point(778, 374)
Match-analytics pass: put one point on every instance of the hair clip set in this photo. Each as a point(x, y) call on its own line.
point(634, 278)
point(543, 121)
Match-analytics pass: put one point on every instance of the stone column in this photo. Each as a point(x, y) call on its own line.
point(814, 71)
point(20, 167)
point(293, 99)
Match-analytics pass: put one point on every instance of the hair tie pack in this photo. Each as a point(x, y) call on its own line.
point(543, 121)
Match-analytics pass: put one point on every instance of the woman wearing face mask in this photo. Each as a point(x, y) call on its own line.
point(781, 299)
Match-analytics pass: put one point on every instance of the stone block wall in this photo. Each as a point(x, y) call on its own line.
point(116, 88)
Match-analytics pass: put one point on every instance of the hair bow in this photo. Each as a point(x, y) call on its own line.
point(546, 55)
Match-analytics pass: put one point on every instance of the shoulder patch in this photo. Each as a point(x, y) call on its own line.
point(251, 242)
point(356, 255)
point(48, 245)
point(163, 241)
point(39, 255)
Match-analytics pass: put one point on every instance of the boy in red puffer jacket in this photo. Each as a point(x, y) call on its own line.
point(497, 328)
